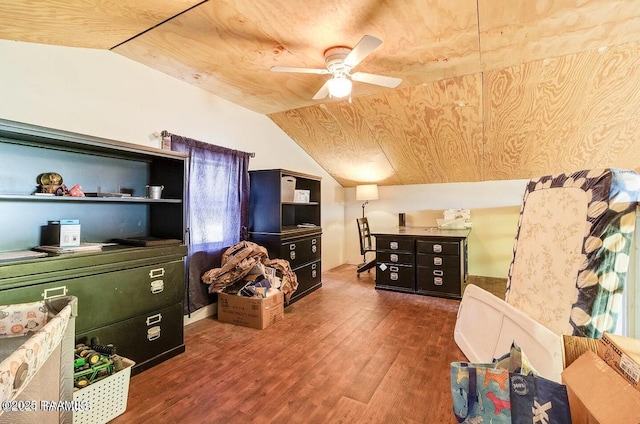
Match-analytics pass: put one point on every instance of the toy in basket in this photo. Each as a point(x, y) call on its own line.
point(101, 380)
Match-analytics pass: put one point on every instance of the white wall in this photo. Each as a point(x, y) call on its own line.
point(494, 206)
point(101, 93)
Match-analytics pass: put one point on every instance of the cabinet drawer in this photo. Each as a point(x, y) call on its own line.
point(143, 337)
point(395, 277)
point(439, 261)
point(387, 257)
point(403, 244)
point(309, 278)
point(301, 251)
point(437, 246)
point(111, 296)
point(439, 281)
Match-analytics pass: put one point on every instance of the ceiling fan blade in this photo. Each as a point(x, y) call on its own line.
point(323, 92)
point(382, 80)
point(299, 70)
point(365, 46)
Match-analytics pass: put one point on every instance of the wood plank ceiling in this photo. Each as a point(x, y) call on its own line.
point(491, 89)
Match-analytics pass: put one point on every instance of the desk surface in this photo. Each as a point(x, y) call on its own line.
point(421, 231)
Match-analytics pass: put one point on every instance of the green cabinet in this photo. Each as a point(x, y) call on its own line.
point(126, 292)
point(129, 296)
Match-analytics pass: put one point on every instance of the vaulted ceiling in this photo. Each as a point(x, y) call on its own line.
point(491, 89)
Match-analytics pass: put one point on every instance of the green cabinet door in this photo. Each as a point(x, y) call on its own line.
point(111, 296)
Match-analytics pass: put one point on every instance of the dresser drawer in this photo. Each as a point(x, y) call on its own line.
point(437, 246)
point(403, 244)
point(384, 256)
point(143, 337)
point(395, 277)
point(301, 251)
point(309, 278)
point(111, 296)
point(439, 281)
point(439, 261)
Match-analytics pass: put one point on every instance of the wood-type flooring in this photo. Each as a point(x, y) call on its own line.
point(346, 353)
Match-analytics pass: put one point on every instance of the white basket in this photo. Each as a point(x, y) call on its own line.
point(288, 188)
point(107, 398)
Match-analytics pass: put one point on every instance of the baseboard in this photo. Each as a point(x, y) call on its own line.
point(201, 313)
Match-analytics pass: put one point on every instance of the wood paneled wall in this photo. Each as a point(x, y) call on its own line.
point(551, 115)
point(492, 89)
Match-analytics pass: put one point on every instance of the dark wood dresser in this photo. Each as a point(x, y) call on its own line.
point(422, 260)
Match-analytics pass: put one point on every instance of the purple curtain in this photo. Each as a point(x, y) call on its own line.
point(217, 205)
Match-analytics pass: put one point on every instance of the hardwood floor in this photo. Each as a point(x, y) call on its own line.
point(346, 353)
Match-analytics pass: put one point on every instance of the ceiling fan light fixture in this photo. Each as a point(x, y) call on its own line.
point(339, 87)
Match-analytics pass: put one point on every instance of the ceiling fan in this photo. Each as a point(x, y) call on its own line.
point(340, 61)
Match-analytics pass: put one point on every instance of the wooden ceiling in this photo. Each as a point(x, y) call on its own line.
point(491, 89)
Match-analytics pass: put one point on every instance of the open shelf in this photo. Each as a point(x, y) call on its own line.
point(33, 198)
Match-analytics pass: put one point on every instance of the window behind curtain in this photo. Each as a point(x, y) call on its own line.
point(217, 204)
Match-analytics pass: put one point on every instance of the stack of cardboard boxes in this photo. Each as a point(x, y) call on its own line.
point(605, 387)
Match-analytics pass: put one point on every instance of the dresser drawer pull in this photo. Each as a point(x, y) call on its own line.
point(155, 273)
point(153, 333)
point(292, 246)
point(314, 273)
point(437, 248)
point(157, 286)
point(393, 245)
point(54, 292)
point(438, 272)
point(313, 241)
point(393, 257)
point(438, 281)
point(393, 276)
point(437, 260)
point(314, 248)
point(154, 319)
point(394, 269)
point(314, 266)
point(292, 254)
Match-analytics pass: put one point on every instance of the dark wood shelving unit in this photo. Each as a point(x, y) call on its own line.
point(289, 230)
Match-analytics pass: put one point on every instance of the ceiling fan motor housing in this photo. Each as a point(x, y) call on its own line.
point(334, 60)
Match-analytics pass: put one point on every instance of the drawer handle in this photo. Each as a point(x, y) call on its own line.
point(155, 273)
point(314, 266)
point(437, 281)
point(157, 286)
point(292, 254)
point(313, 241)
point(393, 257)
point(393, 245)
point(313, 273)
point(394, 269)
point(292, 246)
point(51, 293)
point(154, 319)
point(437, 248)
point(314, 248)
point(153, 333)
point(438, 272)
point(437, 260)
point(393, 276)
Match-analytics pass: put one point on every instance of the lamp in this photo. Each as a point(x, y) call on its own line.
point(340, 86)
point(366, 192)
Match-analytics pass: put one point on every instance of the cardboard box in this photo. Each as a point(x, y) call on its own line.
point(251, 312)
point(63, 233)
point(623, 355)
point(598, 395)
